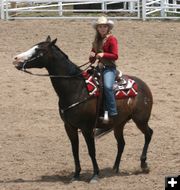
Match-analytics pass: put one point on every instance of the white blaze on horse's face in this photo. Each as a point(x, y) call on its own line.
point(25, 55)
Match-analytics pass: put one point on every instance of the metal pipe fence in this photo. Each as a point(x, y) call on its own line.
point(69, 9)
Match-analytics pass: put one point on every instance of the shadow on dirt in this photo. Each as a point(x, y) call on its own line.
point(85, 177)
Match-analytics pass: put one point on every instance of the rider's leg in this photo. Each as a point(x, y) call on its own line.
point(110, 101)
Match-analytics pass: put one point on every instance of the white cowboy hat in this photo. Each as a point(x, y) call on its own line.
point(103, 20)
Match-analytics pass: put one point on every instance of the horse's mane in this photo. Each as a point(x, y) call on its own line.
point(73, 68)
point(64, 54)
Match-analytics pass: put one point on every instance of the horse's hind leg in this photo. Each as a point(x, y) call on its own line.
point(118, 133)
point(147, 131)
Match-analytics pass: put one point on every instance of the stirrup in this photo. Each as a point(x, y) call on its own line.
point(105, 119)
point(99, 132)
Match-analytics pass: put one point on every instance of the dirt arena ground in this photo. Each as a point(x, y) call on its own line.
point(35, 153)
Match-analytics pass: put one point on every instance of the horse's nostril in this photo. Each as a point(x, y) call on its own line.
point(15, 58)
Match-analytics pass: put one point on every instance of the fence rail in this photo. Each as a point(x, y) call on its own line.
point(160, 9)
point(88, 9)
point(45, 9)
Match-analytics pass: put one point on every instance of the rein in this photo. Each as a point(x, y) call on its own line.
point(75, 104)
point(58, 76)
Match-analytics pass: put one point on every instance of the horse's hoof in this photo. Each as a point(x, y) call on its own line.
point(94, 179)
point(145, 168)
point(116, 170)
point(75, 179)
point(144, 165)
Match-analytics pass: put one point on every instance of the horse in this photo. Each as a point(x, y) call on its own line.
point(78, 109)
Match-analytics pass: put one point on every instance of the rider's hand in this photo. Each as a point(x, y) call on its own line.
point(99, 55)
point(92, 54)
point(92, 57)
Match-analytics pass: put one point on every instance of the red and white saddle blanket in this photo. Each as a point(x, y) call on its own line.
point(124, 88)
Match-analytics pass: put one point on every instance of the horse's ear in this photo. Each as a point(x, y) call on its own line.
point(48, 39)
point(54, 41)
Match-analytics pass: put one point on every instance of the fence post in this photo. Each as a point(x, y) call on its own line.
point(143, 9)
point(130, 4)
point(104, 7)
point(175, 3)
point(7, 12)
point(2, 9)
point(60, 7)
point(163, 10)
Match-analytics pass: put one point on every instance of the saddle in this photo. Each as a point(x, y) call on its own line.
point(124, 86)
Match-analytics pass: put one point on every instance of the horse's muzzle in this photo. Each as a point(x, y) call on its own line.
point(18, 64)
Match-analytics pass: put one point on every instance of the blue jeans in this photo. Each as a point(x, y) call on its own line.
point(109, 75)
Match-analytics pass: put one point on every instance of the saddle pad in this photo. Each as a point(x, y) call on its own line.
point(92, 85)
point(126, 93)
point(129, 90)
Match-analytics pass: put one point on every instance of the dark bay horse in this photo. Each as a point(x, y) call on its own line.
point(78, 110)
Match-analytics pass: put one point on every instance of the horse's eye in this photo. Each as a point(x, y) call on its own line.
point(41, 53)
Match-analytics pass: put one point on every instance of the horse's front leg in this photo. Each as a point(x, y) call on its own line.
point(89, 138)
point(73, 136)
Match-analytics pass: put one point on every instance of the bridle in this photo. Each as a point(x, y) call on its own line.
point(41, 54)
point(58, 76)
point(55, 76)
point(32, 59)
